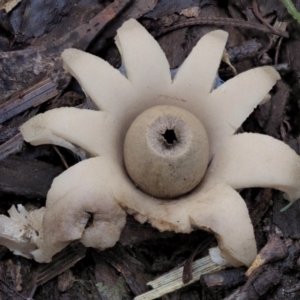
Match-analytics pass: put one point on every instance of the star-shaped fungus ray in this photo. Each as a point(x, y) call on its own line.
point(219, 210)
point(254, 160)
point(196, 76)
point(87, 190)
point(226, 215)
point(105, 85)
point(97, 132)
point(228, 106)
point(146, 65)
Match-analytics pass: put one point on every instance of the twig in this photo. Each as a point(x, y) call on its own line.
point(61, 157)
point(278, 50)
point(187, 274)
point(260, 18)
point(223, 21)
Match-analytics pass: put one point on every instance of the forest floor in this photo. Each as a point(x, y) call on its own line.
point(33, 35)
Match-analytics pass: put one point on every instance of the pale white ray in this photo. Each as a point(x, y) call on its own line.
point(254, 160)
point(221, 210)
point(105, 85)
point(196, 76)
point(145, 63)
point(229, 105)
point(86, 190)
point(96, 132)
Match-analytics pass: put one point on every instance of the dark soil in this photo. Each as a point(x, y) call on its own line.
point(32, 80)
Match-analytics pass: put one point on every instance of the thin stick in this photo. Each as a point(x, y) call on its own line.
point(61, 157)
point(222, 22)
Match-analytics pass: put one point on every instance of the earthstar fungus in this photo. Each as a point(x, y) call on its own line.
point(183, 124)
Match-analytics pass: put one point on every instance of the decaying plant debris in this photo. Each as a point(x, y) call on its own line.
point(143, 253)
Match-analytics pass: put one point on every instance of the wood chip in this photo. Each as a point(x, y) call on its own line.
point(31, 97)
point(8, 5)
point(12, 146)
point(61, 262)
point(30, 178)
point(173, 280)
